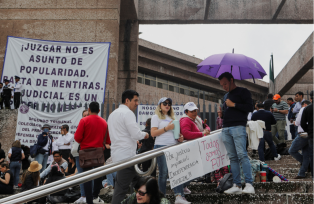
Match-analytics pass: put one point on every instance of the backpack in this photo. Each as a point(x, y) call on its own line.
point(34, 150)
point(218, 174)
point(225, 183)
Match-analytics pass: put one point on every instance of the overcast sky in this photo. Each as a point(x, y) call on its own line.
point(255, 41)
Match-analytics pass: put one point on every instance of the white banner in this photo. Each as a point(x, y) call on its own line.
point(52, 71)
point(30, 122)
point(213, 153)
point(195, 159)
point(147, 111)
point(184, 163)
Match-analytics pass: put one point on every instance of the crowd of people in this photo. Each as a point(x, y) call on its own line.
point(120, 138)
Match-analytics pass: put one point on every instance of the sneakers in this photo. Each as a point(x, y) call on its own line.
point(81, 200)
point(234, 190)
point(186, 191)
point(181, 200)
point(98, 200)
point(248, 188)
point(105, 190)
point(277, 158)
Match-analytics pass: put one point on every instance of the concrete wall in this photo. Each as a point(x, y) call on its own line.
point(299, 64)
point(7, 129)
point(225, 11)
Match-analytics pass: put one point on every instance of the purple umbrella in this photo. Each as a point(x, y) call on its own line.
point(240, 66)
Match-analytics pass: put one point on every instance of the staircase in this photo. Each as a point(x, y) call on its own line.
point(291, 192)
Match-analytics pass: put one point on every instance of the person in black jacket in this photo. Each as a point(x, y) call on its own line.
point(45, 141)
point(147, 145)
point(25, 161)
point(269, 120)
point(307, 126)
point(268, 102)
point(6, 183)
point(56, 175)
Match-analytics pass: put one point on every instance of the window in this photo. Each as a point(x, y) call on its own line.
point(181, 91)
point(140, 80)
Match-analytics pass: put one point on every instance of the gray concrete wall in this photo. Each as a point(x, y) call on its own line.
point(225, 11)
point(299, 64)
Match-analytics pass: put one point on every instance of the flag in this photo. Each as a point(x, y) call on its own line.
point(271, 75)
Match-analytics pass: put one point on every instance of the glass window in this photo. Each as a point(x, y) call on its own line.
point(159, 85)
point(171, 88)
point(150, 77)
point(176, 89)
point(140, 80)
point(186, 92)
point(153, 83)
point(140, 74)
point(147, 82)
point(181, 91)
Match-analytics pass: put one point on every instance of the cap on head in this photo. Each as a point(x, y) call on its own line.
point(163, 99)
point(276, 97)
point(16, 77)
point(190, 106)
point(6, 80)
point(46, 126)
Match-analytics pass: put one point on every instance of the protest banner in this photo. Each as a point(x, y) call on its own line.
point(213, 153)
point(184, 163)
point(30, 122)
point(53, 71)
point(147, 111)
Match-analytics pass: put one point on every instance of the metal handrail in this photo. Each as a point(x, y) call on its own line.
point(66, 183)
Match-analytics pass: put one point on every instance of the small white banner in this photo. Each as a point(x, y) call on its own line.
point(184, 163)
point(147, 111)
point(213, 153)
point(196, 158)
point(30, 122)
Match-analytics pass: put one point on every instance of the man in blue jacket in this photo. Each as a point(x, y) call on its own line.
point(45, 141)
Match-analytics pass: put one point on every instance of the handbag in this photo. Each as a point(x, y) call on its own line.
point(92, 157)
point(35, 149)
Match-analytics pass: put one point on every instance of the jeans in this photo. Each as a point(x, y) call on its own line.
point(163, 175)
point(80, 170)
point(300, 143)
point(42, 159)
point(15, 167)
point(92, 189)
point(279, 127)
point(311, 154)
point(110, 179)
point(269, 139)
point(234, 139)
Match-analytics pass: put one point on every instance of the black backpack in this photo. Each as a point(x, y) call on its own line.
point(225, 183)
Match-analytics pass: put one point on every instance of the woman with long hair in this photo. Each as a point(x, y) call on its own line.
point(161, 128)
point(6, 183)
point(146, 191)
point(16, 155)
point(31, 177)
point(71, 169)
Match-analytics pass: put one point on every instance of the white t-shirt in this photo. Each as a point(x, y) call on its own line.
point(10, 151)
point(166, 138)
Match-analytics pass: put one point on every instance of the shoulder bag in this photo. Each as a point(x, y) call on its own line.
point(92, 157)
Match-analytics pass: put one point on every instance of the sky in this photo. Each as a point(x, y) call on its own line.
point(255, 41)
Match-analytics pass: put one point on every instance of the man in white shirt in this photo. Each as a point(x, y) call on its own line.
point(300, 143)
point(124, 134)
point(64, 142)
point(17, 92)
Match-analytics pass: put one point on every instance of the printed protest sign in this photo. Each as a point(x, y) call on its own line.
point(213, 153)
point(52, 71)
point(30, 122)
point(147, 111)
point(184, 163)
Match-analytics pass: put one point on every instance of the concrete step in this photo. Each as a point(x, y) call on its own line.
point(268, 187)
point(293, 175)
point(287, 165)
point(281, 161)
point(271, 198)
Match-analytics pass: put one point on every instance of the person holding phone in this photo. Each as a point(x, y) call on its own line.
point(161, 128)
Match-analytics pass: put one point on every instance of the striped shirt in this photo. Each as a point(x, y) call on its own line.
point(281, 106)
